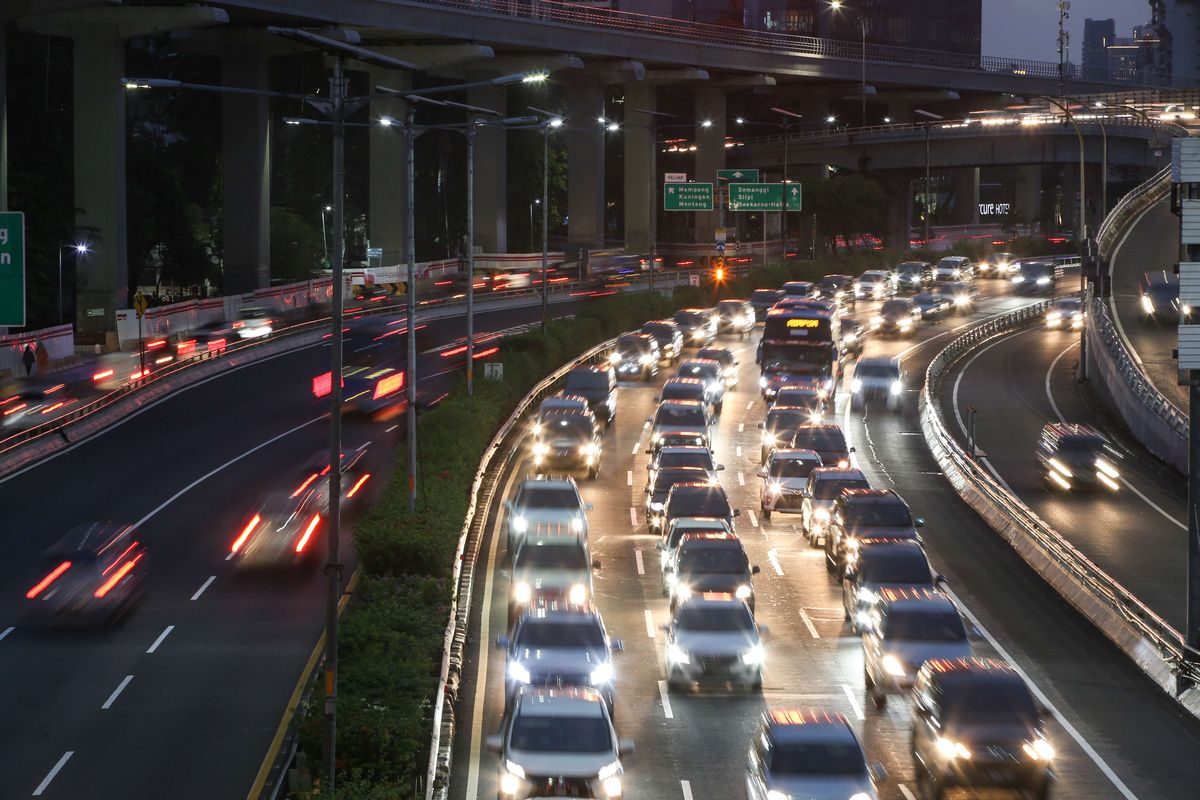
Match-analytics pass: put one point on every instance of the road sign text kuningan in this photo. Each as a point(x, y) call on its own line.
point(688, 197)
point(12, 269)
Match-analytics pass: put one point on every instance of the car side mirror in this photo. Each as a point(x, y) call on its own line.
point(878, 772)
point(762, 473)
point(616, 645)
point(737, 512)
point(720, 467)
point(763, 630)
point(494, 744)
point(625, 747)
point(658, 546)
point(502, 642)
point(941, 580)
point(587, 506)
point(921, 711)
point(647, 419)
point(595, 566)
point(508, 506)
point(919, 522)
point(755, 570)
point(666, 629)
point(760, 426)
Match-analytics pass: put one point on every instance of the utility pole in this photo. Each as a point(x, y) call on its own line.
point(471, 130)
point(545, 222)
point(1064, 47)
point(410, 296)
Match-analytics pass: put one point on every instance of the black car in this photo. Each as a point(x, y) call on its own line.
point(636, 356)
point(698, 499)
point(698, 326)
point(976, 723)
point(566, 441)
point(761, 301)
point(827, 440)
point(597, 383)
point(658, 489)
point(724, 357)
point(932, 305)
point(897, 317)
point(1072, 456)
point(669, 337)
point(781, 425)
point(684, 456)
point(735, 316)
point(861, 514)
point(838, 289)
point(1158, 298)
point(680, 388)
point(853, 333)
point(1035, 277)
point(914, 275)
point(710, 562)
point(885, 563)
point(94, 575)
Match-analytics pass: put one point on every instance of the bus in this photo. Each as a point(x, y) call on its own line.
point(802, 342)
point(374, 354)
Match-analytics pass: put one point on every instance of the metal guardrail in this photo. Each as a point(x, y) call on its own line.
point(1155, 645)
point(1130, 206)
point(580, 15)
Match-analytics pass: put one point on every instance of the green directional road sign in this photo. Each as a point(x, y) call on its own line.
point(795, 197)
point(747, 175)
point(688, 197)
point(756, 197)
point(12, 269)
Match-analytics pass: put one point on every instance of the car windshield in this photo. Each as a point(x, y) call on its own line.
point(699, 503)
point(1069, 306)
point(830, 283)
point(561, 734)
point(675, 390)
point(867, 370)
point(552, 556)
point(975, 702)
point(829, 489)
point(659, 330)
point(923, 625)
point(587, 379)
point(896, 307)
point(793, 467)
point(699, 369)
point(798, 397)
point(1080, 446)
point(910, 569)
point(574, 426)
point(765, 294)
point(925, 299)
point(779, 419)
point(714, 560)
point(680, 415)
point(664, 479)
point(538, 633)
point(733, 617)
point(817, 758)
point(878, 515)
point(691, 318)
point(547, 497)
point(632, 344)
point(700, 457)
point(827, 440)
point(727, 307)
point(908, 268)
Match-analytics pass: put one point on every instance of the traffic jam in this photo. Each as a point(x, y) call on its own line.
point(727, 433)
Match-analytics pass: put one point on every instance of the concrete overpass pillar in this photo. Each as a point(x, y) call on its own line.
point(388, 189)
point(246, 174)
point(1027, 194)
point(899, 216)
point(491, 174)
point(965, 185)
point(710, 153)
point(585, 170)
point(641, 185)
point(99, 114)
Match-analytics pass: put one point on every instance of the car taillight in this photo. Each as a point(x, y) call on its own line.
point(389, 384)
point(107, 586)
point(54, 575)
point(358, 485)
point(102, 374)
point(245, 534)
point(307, 482)
point(322, 385)
point(308, 532)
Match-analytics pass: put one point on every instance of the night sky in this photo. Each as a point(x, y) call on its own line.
point(1029, 28)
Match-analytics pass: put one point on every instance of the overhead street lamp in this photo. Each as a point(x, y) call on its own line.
point(654, 128)
point(324, 237)
point(80, 249)
point(552, 123)
point(930, 119)
point(838, 6)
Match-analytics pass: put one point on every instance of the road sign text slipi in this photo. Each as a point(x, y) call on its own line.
point(756, 197)
point(12, 269)
point(688, 197)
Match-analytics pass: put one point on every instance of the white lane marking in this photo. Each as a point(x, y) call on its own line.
point(1112, 300)
point(636, 446)
point(637, 556)
point(629, 477)
point(224, 466)
point(1045, 701)
point(858, 711)
point(750, 405)
point(739, 451)
point(116, 692)
point(808, 623)
point(229, 557)
point(6, 632)
point(666, 701)
point(207, 583)
point(62, 762)
point(1049, 372)
point(904, 790)
point(162, 636)
point(741, 427)
point(650, 624)
point(753, 518)
point(633, 516)
point(773, 557)
point(389, 430)
point(741, 479)
point(686, 786)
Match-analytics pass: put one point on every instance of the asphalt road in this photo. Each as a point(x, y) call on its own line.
point(1152, 244)
point(1116, 734)
point(213, 659)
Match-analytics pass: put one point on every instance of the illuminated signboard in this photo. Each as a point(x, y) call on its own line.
point(803, 323)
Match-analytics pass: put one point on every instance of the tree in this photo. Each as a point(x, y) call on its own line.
point(296, 247)
point(847, 205)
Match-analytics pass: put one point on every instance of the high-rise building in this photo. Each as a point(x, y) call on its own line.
point(1097, 35)
point(1176, 24)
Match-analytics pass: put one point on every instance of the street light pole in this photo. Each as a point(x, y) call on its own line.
point(471, 131)
point(930, 118)
point(545, 222)
point(410, 296)
point(81, 249)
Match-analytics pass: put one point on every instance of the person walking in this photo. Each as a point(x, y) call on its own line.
point(28, 359)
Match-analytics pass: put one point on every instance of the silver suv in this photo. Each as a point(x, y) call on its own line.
point(554, 501)
point(877, 379)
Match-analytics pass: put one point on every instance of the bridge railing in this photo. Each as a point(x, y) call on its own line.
point(1143, 635)
point(577, 14)
point(1129, 208)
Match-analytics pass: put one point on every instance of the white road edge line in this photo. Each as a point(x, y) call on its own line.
point(389, 430)
point(808, 623)
point(162, 636)
point(741, 479)
point(1045, 701)
point(6, 632)
point(857, 706)
point(637, 556)
point(62, 762)
point(773, 557)
point(116, 692)
point(650, 632)
point(207, 583)
point(629, 477)
point(666, 701)
point(633, 516)
point(753, 518)
point(686, 786)
point(904, 790)
point(1112, 299)
point(636, 446)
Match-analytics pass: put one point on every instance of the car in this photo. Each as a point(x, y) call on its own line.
point(874, 284)
point(680, 388)
point(561, 404)
point(796, 301)
point(906, 628)
point(800, 289)
point(853, 333)
point(567, 442)
point(284, 532)
point(1073, 456)
point(668, 336)
point(713, 638)
point(552, 564)
point(780, 424)
point(725, 358)
point(953, 268)
point(932, 305)
point(678, 438)
point(680, 415)
point(778, 376)
point(807, 753)
point(761, 301)
point(684, 456)
point(1035, 277)
point(1066, 313)
point(26, 407)
point(598, 384)
point(826, 439)
point(211, 337)
point(735, 316)
point(961, 296)
point(354, 477)
point(838, 289)
point(658, 488)
point(711, 372)
point(996, 265)
point(883, 564)
point(784, 477)
point(636, 356)
point(807, 394)
point(541, 500)
point(254, 322)
point(93, 575)
point(877, 379)
point(914, 275)
point(898, 317)
point(1158, 298)
point(698, 499)
point(559, 742)
point(673, 534)
point(559, 644)
point(698, 326)
point(825, 483)
point(709, 562)
point(976, 723)
point(859, 514)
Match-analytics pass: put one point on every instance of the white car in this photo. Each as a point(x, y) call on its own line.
point(784, 478)
point(953, 268)
point(545, 501)
point(808, 753)
point(879, 379)
point(875, 284)
point(254, 323)
point(714, 638)
point(550, 569)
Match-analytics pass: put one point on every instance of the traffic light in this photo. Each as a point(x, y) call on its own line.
point(719, 269)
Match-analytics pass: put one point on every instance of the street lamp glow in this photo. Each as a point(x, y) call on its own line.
point(81, 249)
point(329, 208)
point(602, 120)
point(386, 122)
point(536, 77)
point(831, 119)
point(136, 85)
point(836, 5)
point(555, 123)
point(887, 120)
point(740, 120)
point(708, 123)
point(612, 127)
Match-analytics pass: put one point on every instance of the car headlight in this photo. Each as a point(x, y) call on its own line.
point(1043, 281)
point(699, 334)
point(950, 749)
point(578, 594)
point(589, 449)
point(893, 666)
point(523, 592)
point(865, 595)
point(962, 300)
point(876, 322)
point(1107, 468)
point(614, 358)
point(541, 449)
point(518, 672)
point(762, 383)
point(850, 338)
point(1018, 279)
point(602, 673)
point(774, 488)
point(682, 590)
point(822, 514)
point(577, 524)
point(678, 655)
point(860, 796)
point(769, 439)
point(905, 324)
point(856, 386)
point(775, 794)
point(897, 387)
point(509, 783)
point(657, 506)
point(1147, 304)
point(535, 428)
point(647, 358)
point(611, 787)
point(1187, 310)
point(1039, 750)
point(743, 592)
point(1060, 467)
point(654, 437)
point(520, 524)
point(753, 656)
